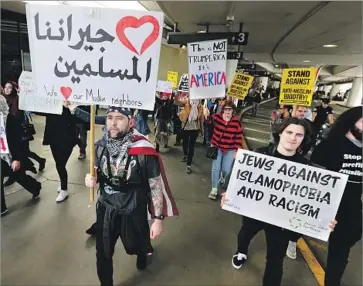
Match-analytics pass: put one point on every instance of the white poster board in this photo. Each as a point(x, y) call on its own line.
point(294, 196)
point(207, 69)
point(4, 148)
point(164, 86)
point(29, 99)
point(95, 55)
point(184, 83)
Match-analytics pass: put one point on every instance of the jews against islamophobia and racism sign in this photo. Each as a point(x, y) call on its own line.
point(4, 148)
point(164, 86)
point(172, 77)
point(95, 55)
point(297, 86)
point(290, 195)
point(29, 99)
point(207, 69)
point(240, 85)
point(184, 83)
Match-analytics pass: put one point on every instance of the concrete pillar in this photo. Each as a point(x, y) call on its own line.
point(334, 90)
point(355, 94)
point(231, 70)
point(262, 81)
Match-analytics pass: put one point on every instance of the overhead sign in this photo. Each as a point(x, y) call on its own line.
point(4, 148)
point(240, 85)
point(234, 38)
point(297, 86)
point(234, 55)
point(184, 83)
point(207, 69)
point(95, 55)
point(29, 99)
point(164, 86)
point(290, 195)
point(172, 77)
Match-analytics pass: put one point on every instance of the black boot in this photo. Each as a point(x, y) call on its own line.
point(141, 262)
point(92, 230)
point(42, 164)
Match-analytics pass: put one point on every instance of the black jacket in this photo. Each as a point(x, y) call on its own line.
point(14, 137)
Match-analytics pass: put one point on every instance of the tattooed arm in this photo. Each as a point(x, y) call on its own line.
point(156, 187)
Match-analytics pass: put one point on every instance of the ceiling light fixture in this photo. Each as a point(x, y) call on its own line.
point(306, 61)
point(330, 46)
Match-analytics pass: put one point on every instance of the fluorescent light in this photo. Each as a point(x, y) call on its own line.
point(129, 5)
point(202, 31)
point(306, 61)
point(330, 46)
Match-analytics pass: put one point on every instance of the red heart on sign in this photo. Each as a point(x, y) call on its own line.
point(132, 22)
point(66, 91)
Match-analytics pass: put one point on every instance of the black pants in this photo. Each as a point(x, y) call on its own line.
point(341, 240)
point(82, 138)
point(26, 181)
point(133, 229)
point(189, 139)
point(277, 240)
point(61, 154)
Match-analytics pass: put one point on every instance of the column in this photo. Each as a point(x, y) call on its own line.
point(231, 70)
point(355, 94)
point(334, 90)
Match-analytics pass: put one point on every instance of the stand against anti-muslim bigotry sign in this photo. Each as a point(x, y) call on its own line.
point(95, 55)
point(294, 196)
point(207, 69)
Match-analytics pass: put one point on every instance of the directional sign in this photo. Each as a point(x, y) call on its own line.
point(234, 55)
point(239, 38)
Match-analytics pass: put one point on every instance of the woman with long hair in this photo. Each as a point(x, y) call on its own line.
point(341, 152)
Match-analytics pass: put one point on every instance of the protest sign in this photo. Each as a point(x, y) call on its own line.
point(297, 86)
point(4, 148)
point(240, 85)
point(290, 195)
point(172, 77)
point(164, 86)
point(95, 55)
point(30, 101)
point(184, 83)
point(207, 69)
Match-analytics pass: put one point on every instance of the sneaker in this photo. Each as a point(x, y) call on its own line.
point(42, 164)
point(4, 212)
point(184, 159)
point(291, 250)
point(141, 262)
point(62, 196)
point(92, 230)
point(213, 194)
point(238, 260)
point(188, 170)
point(81, 156)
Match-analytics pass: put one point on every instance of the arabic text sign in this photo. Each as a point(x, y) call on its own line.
point(207, 69)
point(173, 77)
point(95, 55)
point(184, 83)
point(30, 101)
point(164, 86)
point(294, 196)
point(4, 148)
point(240, 85)
point(297, 86)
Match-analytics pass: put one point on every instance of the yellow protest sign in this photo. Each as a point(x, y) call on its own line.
point(172, 77)
point(297, 86)
point(240, 85)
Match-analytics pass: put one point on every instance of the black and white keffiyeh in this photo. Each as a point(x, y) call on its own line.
point(118, 147)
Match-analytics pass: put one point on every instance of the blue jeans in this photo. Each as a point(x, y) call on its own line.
point(224, 163)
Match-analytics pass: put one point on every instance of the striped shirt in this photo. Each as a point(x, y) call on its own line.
point(227, 135)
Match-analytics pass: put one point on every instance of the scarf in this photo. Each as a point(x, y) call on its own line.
point(118, 147)
point(193, 114)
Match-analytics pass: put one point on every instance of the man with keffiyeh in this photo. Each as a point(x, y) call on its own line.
point(133, 189)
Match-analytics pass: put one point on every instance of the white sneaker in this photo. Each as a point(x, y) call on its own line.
point(291, 250)
point(62, 196)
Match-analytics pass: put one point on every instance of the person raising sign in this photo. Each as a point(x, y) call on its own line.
point(293, 133)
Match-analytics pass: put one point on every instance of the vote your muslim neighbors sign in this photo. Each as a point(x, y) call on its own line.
point(95, 55)
point(290, 195)
point(207, 69)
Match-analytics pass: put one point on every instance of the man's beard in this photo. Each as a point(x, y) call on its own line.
point(119, 134)
point(356, 133)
